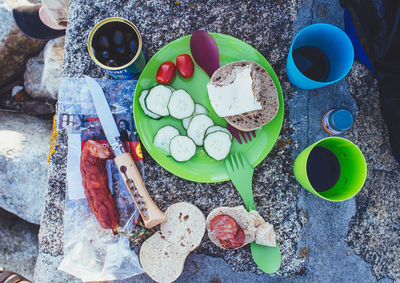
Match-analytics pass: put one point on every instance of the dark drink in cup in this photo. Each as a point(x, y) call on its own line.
point(323, 169)
point(312, 62)
point(115, 45)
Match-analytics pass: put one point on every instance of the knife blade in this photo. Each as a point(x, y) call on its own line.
point(102, 109)
point(150, 213)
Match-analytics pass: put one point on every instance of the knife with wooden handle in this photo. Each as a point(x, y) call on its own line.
point(150, 213)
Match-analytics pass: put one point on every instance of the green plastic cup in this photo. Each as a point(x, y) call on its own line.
point(353, 169)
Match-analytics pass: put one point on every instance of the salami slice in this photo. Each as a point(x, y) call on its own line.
point(236, 242)
point(224, 227)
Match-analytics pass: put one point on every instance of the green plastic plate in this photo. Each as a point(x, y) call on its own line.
point(202, 168)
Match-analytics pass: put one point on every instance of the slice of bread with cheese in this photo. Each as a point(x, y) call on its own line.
point(254, 226)
point(163, 255)
point(244, 94)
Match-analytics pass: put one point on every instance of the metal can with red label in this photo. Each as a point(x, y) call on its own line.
point(115, 44)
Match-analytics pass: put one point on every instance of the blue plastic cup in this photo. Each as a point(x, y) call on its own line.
point(333, 42)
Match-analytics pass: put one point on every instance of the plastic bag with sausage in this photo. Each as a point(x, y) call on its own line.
point(97, 205)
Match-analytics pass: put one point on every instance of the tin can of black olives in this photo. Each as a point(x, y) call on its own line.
point(115, 44)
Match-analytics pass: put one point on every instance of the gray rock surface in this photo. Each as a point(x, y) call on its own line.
point(46, 270)
point(374, 230)
point(323, 237)
point(24, 144)
point(320, 241)
point(15, 47)
point(43, 73)
point(340, 233)
point(18, 244)
point(52, 224)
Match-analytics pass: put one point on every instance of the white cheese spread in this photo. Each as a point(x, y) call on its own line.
point(235, 98)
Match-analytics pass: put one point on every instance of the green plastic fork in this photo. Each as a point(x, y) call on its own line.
point(268, 259)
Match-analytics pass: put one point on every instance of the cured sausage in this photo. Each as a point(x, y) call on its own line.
point(224, 227)
point(95, 183)
point(235, 242)
point(228, 232)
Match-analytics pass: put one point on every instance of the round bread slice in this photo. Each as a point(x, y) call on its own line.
point(242, 218)
point(185, 225)
point(263, 88)
point(162, 260)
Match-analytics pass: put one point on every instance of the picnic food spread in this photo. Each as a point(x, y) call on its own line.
point(188, 121)
point(187, 129)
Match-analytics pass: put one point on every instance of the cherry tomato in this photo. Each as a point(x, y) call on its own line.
point(166, 72)
point(185, 66)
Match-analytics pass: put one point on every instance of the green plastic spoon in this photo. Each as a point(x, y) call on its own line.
point(268, 259)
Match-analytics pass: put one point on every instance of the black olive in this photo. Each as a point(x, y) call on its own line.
point(112, 63)
point(103, 42)
point(105, 54)
point(133, 46)
point(118, 37)
point(121, 50)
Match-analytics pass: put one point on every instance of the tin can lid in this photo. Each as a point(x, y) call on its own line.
point(341, 119)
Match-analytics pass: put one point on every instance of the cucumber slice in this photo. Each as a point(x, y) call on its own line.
point(142, 102)
point(217, 145)
point(163, 137)
point(198, 109)
point(182, 148)
point(171, 88)
point(157, 100)
point(181, 104)
point(216, 128)
point(186, 121)
point(197, 128)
